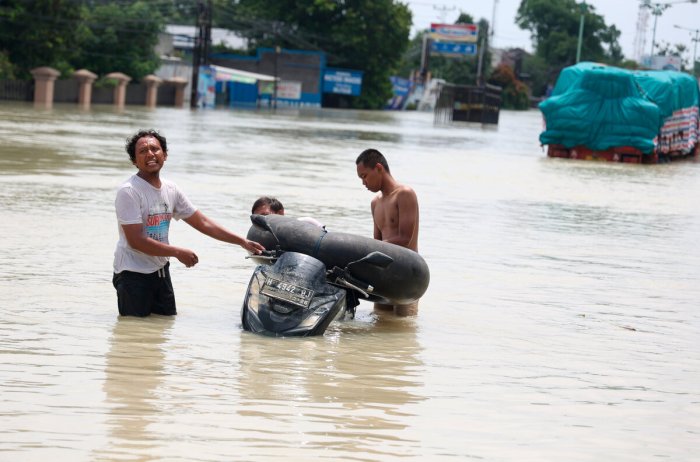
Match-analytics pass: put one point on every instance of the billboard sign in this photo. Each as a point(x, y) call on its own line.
point(666, 63)
point(454, 32)
point(342, 81)
point(206, 87)
point(452, 49)
point(288, 89)
point(402, 89)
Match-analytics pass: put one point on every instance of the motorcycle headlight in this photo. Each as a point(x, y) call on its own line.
point(254, 293)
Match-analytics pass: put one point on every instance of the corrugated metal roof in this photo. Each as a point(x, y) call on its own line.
point(228, 74)
point(183, 37)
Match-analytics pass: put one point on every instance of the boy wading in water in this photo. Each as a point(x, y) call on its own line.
point(145, 205)
point(394, 211)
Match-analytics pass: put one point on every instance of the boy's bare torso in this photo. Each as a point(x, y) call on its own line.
point(396, 217)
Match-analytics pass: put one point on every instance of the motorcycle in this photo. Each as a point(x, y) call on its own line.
point(293, 294)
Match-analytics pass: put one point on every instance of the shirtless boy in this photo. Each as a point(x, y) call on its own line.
point(394, 211)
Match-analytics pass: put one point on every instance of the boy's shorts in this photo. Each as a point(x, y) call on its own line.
point(141, 294)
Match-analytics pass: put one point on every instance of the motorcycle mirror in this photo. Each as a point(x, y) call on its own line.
point(375, 258)
point(261, 222)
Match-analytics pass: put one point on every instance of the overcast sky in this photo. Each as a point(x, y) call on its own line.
point(621, 13)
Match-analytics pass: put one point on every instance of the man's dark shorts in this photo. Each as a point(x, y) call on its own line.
point(141, 294)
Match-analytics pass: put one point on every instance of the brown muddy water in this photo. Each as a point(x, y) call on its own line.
point(561, 322)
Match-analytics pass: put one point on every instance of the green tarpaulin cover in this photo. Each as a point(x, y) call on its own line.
point(602, 107)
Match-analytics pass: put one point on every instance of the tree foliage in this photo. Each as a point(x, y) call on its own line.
point(515, 94)
point(539, 75)
point(367, 35)
point(122, 37)
point(554, 26)
point(98, 35)
point(37, 33)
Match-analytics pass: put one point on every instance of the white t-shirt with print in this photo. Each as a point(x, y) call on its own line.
point(140, 202)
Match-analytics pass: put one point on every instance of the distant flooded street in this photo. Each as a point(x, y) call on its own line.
point(561, 323)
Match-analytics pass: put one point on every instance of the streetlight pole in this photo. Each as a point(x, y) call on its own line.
point(695, 39)
point(657, 9)
point(695, 48)
point(274, 90)
point(580, 32)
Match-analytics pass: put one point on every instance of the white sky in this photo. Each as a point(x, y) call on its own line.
point(622, 13)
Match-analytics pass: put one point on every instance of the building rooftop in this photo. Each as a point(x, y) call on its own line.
point(183, 37)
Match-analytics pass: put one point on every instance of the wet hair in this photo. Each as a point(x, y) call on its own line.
point(131, 142)
point(371, 157)
point(275, 205)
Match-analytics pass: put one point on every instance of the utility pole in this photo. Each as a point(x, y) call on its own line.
point(274, 89)
point(480, 62)
point(695, 48)
point(657, 10)
point(207, 33)
point(695, 39)
point(493, 22)
point(425, 58)
point(580, 32)
point(202, 39)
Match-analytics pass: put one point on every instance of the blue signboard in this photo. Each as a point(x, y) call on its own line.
point(452, 48)
point(342, 81)
point(401, 89)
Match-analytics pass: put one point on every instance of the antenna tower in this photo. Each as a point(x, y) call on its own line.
point(640, 37)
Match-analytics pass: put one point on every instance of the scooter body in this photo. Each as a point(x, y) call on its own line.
point(292, 298)
point(294, 294)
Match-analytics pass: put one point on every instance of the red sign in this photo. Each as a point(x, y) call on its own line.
point(454, 32)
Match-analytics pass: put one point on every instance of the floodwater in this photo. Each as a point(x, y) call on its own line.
point(561, 322)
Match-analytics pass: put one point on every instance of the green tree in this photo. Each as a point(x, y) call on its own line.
point(99, 35)
point(554, 25)
point(121, 38)
point(368, 35)
point(7, 69)
point(37, 33)
point(539, 74)
point(181, 12)
point(515, 94)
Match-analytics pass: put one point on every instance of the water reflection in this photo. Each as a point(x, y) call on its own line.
point(134, 372)
point(359, 380)
point(562, 308)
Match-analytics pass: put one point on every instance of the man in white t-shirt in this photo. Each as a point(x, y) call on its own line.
point(145, 205)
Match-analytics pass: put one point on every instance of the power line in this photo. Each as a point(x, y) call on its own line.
point(200, 53)
point(443, 9)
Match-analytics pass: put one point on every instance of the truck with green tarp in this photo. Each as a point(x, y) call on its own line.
point(603, 112)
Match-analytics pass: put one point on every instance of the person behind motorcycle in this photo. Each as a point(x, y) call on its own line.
point(265, 205)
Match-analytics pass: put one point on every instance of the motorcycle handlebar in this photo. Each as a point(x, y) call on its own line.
point(267, 255)
point(343, 278)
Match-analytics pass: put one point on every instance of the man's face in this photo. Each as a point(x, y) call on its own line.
point(149, 155)
point(371, 177)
